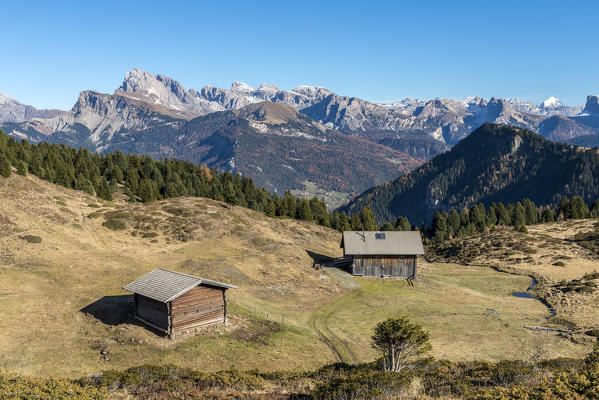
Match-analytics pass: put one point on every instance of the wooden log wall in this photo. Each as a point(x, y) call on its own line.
point(199, 306)
point(152, 311)
point(400, 266)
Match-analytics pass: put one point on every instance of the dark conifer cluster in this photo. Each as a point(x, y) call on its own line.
point(452, 224)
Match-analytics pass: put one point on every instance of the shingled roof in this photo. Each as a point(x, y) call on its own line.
point(164, 286)
point(382, 243)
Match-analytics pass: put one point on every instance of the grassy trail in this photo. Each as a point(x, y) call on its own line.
point(319, 322)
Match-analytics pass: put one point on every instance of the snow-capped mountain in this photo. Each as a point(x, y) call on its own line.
point(550, 106)
point(425, 127)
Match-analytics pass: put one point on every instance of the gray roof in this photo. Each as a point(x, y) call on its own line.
point(393, 243)
point(165, 286)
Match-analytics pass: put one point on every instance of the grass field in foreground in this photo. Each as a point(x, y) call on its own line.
point(63, 304)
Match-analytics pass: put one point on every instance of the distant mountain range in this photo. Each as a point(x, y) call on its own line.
point(156, 115)
point(495, 163)
point(12, 110)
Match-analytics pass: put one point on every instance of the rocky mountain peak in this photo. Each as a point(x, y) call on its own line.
point(241, 87)
point(592, 105)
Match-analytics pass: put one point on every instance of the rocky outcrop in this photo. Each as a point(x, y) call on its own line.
point(12, 110)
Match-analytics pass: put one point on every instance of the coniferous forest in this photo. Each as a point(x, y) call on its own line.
point(141, 178)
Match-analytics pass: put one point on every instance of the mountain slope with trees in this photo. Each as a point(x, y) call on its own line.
point(494, 164)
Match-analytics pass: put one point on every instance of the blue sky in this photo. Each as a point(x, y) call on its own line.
point(376, 50)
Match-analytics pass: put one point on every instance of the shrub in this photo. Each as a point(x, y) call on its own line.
point(32, 239)
point(115, 224)
point(559, 264)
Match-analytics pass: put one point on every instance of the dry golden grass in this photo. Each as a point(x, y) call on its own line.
point(63, 304)
point(547, 252)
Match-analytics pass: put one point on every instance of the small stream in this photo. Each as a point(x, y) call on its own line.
point(527, 295)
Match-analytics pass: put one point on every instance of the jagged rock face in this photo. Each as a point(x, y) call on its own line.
point(592, 106)
point(144, 100)
point(12, 110)
point(165, 92)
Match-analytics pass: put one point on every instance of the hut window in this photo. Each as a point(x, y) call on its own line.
point(379, 235)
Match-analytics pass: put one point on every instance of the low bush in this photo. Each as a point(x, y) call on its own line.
point(32, 239)
point(115, 224)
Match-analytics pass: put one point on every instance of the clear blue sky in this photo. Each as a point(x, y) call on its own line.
point(379, 51)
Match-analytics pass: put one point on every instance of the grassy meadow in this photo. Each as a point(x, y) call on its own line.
point(65, 256)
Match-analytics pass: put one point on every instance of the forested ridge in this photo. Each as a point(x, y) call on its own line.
point(494, 164)
point(141, 178)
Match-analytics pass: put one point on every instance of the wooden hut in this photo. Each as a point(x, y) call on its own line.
point(173, 302)
point(382, 254)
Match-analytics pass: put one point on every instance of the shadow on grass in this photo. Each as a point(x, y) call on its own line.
point(116, 310)
point(111, 310)
point(319, 258)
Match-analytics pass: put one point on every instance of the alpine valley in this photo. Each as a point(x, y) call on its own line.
point(286, 140)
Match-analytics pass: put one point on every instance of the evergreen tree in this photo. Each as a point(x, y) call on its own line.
point(594, 213)
point(270, 209)
point(387, 226)
point(453, 222)
point(547, 215)
point(104, 191)
point(530, 211)
point(147, 190)
point(503, 216)
point(492, 215)
point(21, 168)
point(304, 211)
point(367, 219)
point(344, 223)
point(518, 215)
point(4, 165)
point(355, 223)
point(440, 232)
point(402, 224)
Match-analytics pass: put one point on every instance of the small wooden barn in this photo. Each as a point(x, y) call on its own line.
point(173, 302)
point(382, 254)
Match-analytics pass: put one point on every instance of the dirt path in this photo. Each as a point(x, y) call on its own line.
point(319, 323)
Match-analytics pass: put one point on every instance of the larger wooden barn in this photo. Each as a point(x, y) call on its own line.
point(382, 254)
point(173, 302)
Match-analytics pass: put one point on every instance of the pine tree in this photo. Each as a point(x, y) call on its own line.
point(402, 224)
point(439, 227)
point(518, 215)
point(344, 224)
point(21, 168)
point(355, 223)
point(147, 190)
point(454, 222)
point(503, 216)
point(4, 165)
point(270, 209)
point(304, 211)
point(367, 219)
point(547, 215)
point(594, 213)
point(104, 191)
point(530, 211)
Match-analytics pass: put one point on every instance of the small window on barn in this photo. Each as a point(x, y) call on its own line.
point(379, 235)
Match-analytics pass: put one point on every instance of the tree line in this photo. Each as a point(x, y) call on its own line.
point(141, 178)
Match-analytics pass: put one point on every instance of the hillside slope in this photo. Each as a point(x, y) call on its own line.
point(276, 146)
point(561, 256)
point(64, 312)
point(494, 164)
